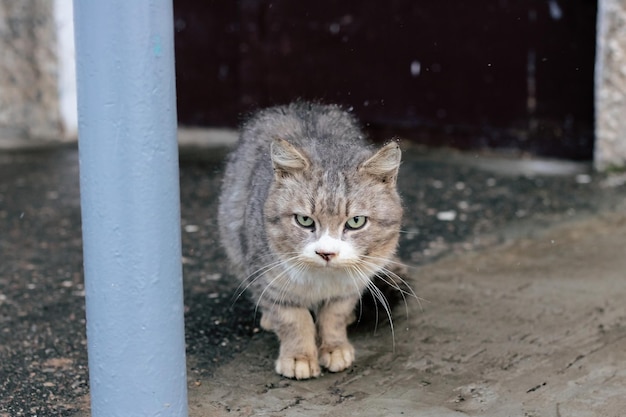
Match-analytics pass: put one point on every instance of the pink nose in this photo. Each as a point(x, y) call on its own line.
point(327, 256)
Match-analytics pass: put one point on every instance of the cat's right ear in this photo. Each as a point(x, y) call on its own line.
point(286, 158)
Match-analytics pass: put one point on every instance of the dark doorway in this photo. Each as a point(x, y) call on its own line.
point(480, 74)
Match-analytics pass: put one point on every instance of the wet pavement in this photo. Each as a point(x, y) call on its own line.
point(455, 203)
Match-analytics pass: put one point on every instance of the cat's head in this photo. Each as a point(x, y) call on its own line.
point(345, 217)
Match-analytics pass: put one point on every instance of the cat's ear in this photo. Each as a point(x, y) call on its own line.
point(384, 164)
point(286, 158)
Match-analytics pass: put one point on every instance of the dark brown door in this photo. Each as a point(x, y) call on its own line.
point(496, 73)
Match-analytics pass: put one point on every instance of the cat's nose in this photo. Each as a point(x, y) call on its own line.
point(327, 256)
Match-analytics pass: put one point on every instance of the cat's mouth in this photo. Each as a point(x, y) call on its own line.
point(332, 263)
point(321, 264)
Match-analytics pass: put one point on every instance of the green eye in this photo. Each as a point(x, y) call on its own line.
point(305, 221)
point(356, 222)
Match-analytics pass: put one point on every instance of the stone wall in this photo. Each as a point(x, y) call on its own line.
point(29, 104)
point(610, 146)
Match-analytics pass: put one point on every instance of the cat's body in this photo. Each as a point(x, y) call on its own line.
point(309, 213)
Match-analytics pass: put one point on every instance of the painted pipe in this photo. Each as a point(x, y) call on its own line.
point(130, 207)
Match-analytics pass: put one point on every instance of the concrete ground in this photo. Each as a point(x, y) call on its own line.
point(519, 264)
point(534, 327)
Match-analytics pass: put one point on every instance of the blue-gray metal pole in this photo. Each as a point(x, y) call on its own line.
point(130, 207)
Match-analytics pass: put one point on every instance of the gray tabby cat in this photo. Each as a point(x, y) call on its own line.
point(309, 213)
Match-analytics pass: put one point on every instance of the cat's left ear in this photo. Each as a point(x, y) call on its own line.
point(286, 158)
point(384, 164)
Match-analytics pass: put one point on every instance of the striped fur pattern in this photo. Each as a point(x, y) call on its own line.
point(308, 214)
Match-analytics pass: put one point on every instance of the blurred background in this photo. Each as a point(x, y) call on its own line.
point(534, 77)
point(485, 73)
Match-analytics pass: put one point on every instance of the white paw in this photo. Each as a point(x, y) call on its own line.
point(298, 368)
point(337, 358)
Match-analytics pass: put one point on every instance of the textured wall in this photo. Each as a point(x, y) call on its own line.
point(610, 148)
point(29, 105)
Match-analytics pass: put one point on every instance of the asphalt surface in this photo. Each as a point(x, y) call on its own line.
point(454, 203)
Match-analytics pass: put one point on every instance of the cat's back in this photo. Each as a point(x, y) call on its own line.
point(321, 131)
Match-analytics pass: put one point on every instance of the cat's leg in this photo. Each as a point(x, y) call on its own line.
point(336, 352)
point(296, 331)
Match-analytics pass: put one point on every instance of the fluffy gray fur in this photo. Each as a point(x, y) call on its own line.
point(308, 214)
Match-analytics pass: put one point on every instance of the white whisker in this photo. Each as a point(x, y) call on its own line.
point(355, 280)
point(255, 275)
point(380, 297)
point(394, 277)
point(283, 291)
point(294, 270)
point(258, 302)
point(390, 278)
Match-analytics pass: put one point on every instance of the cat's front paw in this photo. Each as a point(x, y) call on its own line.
point(298, 367)
point(337, 358)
